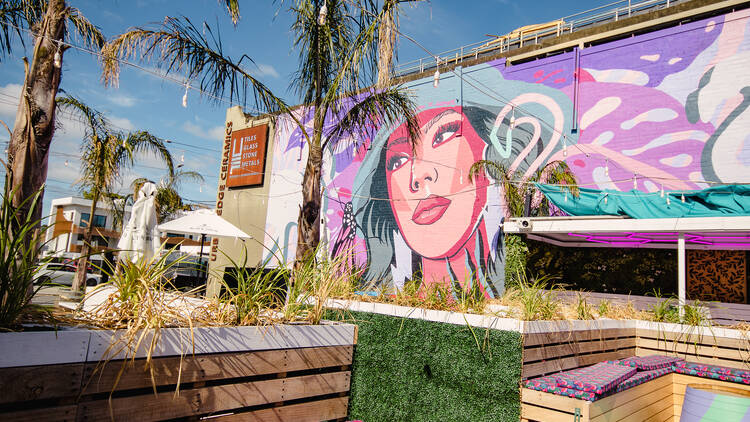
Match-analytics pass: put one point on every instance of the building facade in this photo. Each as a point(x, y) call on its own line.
point(653, 102)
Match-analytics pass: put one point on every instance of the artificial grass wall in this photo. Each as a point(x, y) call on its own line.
point(416, 370)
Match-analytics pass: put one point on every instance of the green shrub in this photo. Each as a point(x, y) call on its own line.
point(21, 242)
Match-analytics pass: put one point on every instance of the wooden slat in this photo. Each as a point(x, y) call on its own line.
point(663, 416)
point(214, 399)
point(637, 405)
point(552, 337)
point(536, 413)
point(202, 368)
point(571, 362)
point(554, 351)
point(29, 383)
point(692, 349)
point(623, 398)
point(321, 410)
point(692, 338)
point(58, 413)
point(554, 401)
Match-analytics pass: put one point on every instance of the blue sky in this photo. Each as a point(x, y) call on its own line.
point(147, 102)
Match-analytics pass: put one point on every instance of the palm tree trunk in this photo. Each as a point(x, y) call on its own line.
point(79, 282)
point(35, 119)
point(386, 44)
point(308, 223)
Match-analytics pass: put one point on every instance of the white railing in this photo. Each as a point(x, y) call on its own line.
point(606, 13)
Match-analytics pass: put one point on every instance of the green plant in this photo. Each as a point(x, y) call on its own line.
point(21, 242)
point(583, 308)
point(258, 291)
point(532, 300)
point(470, 298)
point(516, 252)
point(604, 308)
point(696, 314)
point(664, 310)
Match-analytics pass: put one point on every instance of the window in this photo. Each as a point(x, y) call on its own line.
point(99, 220)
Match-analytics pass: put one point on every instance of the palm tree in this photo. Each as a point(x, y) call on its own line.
point(105, 154)
point(168, 199)
point(337, 41)
point(522, 198)
point(50, 23)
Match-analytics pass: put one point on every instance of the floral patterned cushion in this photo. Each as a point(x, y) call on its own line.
point(599, 378)
point(548, 384)
point(722, 373)
point(649, 363)
point(641, 377)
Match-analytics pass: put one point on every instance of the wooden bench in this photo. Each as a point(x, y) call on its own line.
point(658, 400)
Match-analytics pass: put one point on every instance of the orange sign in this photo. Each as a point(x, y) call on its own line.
point(247, 156)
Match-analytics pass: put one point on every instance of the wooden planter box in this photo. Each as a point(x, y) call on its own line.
point(283, 372)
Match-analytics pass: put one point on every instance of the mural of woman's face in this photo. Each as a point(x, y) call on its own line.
point(435, 205)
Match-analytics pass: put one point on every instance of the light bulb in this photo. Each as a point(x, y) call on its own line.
point(184, 97)
point(66, 163)
point(322, 14)
point(436, 80)
point(200, 189)
point(662, 191)
point(566, 196)
point(667, 200)
point(58, 58)
point(635, 182)
point(513, 117)
point(682, 198)
point(606, 196)
point(182, 158)
point(565, 148)
point(606, 168)
point(461, 179)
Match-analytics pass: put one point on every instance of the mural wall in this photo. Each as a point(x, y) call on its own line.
point(666, 110)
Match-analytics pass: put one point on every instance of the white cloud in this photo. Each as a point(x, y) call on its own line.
point(9, 95)
point(266, 70)
point(122, 100)
point(122, 123)
point(214, 134)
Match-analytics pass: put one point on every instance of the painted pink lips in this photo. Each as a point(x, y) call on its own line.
point(430, 209)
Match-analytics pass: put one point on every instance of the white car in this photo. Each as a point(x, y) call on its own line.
point(63, 273)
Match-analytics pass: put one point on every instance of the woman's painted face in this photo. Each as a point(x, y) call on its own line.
point(435, 205)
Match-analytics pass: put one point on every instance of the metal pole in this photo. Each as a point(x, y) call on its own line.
point(681, 272)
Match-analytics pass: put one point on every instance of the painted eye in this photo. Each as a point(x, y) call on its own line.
point(445, 133)
point(396, 161)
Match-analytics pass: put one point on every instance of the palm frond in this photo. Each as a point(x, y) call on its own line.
point(180, 46)
point(233, 8)
point(386, 107)
point(323, 48)
point(87, 31)
point(144, 142)
point(15, 16)
point(95, 122)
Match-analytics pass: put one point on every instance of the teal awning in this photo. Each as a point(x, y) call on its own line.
point(715, 201)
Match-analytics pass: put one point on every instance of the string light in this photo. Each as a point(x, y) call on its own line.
point(565, 148)
point(66, 163)
point(635, 182)
point(682, 198)
point(436, 77)
point(667, 200)
point(606, 195)
point(513, 117)
point(566, 196)
point(606, 167)
point(662, 191)
point(322, 14)
point(58, 57)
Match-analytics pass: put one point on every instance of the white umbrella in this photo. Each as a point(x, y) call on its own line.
point(204, 223)
point(140, 239)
